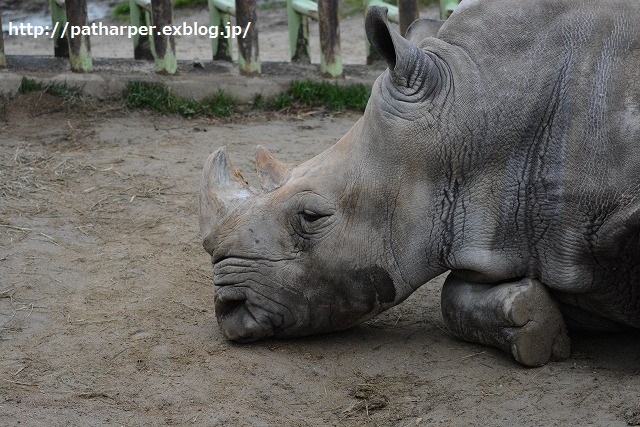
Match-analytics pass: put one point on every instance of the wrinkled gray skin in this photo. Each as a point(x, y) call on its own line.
point(503, 146)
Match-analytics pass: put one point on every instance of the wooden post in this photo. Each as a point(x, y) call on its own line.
point(408, 11)
point(140, 16)
point(298, 12)
point(166, 62)
point(248, 51)
point(79, 46)
point(329, 22)
point(219, 14)
point(59, 19)
point(3, 60)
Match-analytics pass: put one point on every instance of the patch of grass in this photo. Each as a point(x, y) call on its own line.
point(180, 4)
point(282, 102)
point(155, 96)
point(121, 11)
point(69, 94)
point(304, 94)
point(258, 102)
point(272, 5)
point(221, 105)
point(184, 107)
point(310, 94)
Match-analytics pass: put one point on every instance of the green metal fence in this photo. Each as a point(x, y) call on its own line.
point(160, 47)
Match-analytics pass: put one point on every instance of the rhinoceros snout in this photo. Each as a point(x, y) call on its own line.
point(240, 320)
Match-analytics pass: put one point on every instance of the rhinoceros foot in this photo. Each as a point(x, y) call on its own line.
point(519, 317)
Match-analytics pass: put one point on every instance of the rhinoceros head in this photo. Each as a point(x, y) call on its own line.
point(335, 240)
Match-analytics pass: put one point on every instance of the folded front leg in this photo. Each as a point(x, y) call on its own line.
point(519, 317)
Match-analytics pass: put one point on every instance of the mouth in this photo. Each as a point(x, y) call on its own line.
point(246, 309)
point(228, 296)
point(228, 300)
point(239, 319)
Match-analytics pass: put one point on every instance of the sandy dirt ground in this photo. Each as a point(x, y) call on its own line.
point(106, 296)
point(106, 300)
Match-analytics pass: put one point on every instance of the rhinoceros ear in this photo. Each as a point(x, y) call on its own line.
point(422, 28)
point(222, 188)
point(272, 172)
point(410, 67)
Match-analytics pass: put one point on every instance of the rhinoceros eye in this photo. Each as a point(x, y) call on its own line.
point(310, 216)
point(313, 214)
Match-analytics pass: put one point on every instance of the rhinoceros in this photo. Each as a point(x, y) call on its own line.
point(502, 145)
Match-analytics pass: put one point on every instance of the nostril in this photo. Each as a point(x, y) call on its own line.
point(229, 307)
point(217, 258)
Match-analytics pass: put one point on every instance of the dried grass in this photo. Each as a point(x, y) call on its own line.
point(35, 182)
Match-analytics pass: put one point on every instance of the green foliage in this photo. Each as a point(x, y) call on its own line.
point(221, 105)
point(157, 97)
point(121, 11)
point(184, 107)
point(310, 94)
point(272, 5)
point(282, 101)
point(69, 94)
point(189, 3)
point(258, 102)
point(301, 95)
point(153, 96)
point(28, 85)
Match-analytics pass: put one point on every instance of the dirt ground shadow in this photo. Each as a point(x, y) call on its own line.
point(106, 300)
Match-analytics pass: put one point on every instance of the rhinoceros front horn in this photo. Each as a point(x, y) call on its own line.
point(222, 188)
